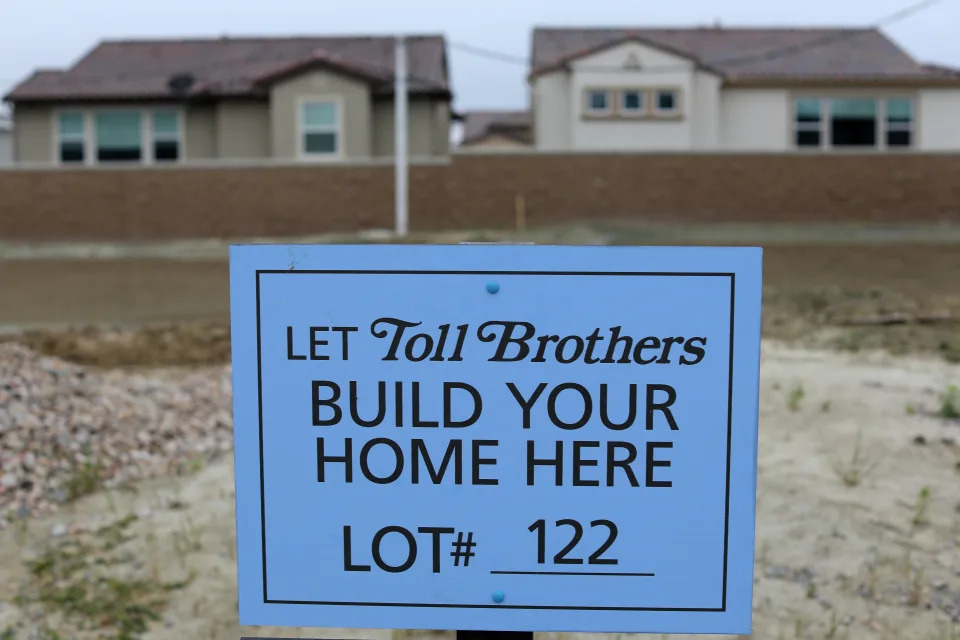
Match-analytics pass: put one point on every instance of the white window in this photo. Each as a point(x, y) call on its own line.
point(667, 102)
point(165, 132)
point(320, 128)
point(598, 102)
point(118, 136)
point(853, 122)
point(633, 101)
point(809, 123)
point(71, 137)
point(899, 122)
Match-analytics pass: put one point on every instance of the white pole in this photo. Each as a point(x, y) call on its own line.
point(400, 135)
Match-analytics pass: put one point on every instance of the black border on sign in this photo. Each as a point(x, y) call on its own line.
point(726, 517)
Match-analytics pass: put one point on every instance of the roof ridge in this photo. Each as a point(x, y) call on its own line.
point(708, 27)
point(264, 38)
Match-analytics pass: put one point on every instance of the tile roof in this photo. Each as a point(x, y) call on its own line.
point(224, 67)
point(748, 53)
point(512, 124)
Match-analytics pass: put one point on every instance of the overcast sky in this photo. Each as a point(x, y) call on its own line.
point(54, 33)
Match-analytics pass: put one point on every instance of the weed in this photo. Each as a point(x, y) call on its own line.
point(950, 403)
point(915, 595)
point(911, 410)
point(825, 407)
point(88, 581)
point(84, 479)
point(795, 398)
point(921, 507)
point(951, 352)
point(186, 539)
point(811, 591)
point(852, 472)
point(852, 342)
point(834, 626)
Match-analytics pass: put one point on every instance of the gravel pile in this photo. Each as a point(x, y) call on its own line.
point(66, 430)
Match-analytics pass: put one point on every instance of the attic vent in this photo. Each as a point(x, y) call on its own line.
point(180, 83)
point(632, 62)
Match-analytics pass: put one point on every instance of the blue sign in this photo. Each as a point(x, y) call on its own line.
point(496, 437)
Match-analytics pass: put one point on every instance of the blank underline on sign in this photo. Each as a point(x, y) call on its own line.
point(573, 573)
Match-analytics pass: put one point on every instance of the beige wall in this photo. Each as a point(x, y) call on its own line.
point(201, 133)
point(428, 128)
point(6, 147)
point(706, 111)
point(32, 134)
point(938, 119)
point(755, 120)
point(553, 121)
point(355, 112)
point(243, 130)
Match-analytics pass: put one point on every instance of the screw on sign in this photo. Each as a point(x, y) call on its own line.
point(502, 438)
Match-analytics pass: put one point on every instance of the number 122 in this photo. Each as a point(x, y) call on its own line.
point(540, 528)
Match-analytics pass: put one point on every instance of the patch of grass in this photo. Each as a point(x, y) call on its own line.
point(951, 352)
point(851, 472)
point(85, 479)
point(795, 398)
point(950, 403)
point(89, 581)
point(921, 507)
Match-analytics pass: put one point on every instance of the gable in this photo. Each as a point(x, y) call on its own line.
point(634, 56)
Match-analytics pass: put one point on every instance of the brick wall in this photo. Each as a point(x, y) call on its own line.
point(476, 191)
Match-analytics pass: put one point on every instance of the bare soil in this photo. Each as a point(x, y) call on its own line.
point(169, 312)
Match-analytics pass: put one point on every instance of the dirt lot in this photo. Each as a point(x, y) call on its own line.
point(859, 457)
point(830, 296)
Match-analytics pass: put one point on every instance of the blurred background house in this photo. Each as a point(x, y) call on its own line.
point(756, 89)
point(500, 130)
point(288, 99)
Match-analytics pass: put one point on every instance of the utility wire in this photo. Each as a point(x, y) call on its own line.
point(760, 56)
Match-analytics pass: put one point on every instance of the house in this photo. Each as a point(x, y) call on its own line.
point(765, 90)
point(233, 99)
point(6, 141)
point(500, 130)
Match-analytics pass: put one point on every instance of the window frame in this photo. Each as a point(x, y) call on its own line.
point(179, 139)
point(883, 126)
point(144, 122)
point(58, 138)
point(588, 109)
point(302, 130)
point(676, 111)
point(644, 109)
point(90, 134)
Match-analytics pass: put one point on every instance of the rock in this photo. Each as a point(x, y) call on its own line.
point(58, 530)
point(919, 440)
point(61, 423)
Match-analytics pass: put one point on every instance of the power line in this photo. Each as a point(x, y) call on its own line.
point(761, 56)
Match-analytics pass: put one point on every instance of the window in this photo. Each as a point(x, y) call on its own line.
point(320, 128)
point(632, 102)
point(809, 120)
point(853, 122)
point(666, 101)
point(166, 136)
point(118, 136)
point(899, 122)
point(598, 101)
point(71, 135)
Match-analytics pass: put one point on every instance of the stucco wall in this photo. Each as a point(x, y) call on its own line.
point(428, 128)
point(6, 147)
point(553, 121)
point(243, 129)
point(706, 111)
point(355, 112)
point(755, 120)
point(201, 133)
point(33, 138)
point(939, 119)
point(654, 134)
